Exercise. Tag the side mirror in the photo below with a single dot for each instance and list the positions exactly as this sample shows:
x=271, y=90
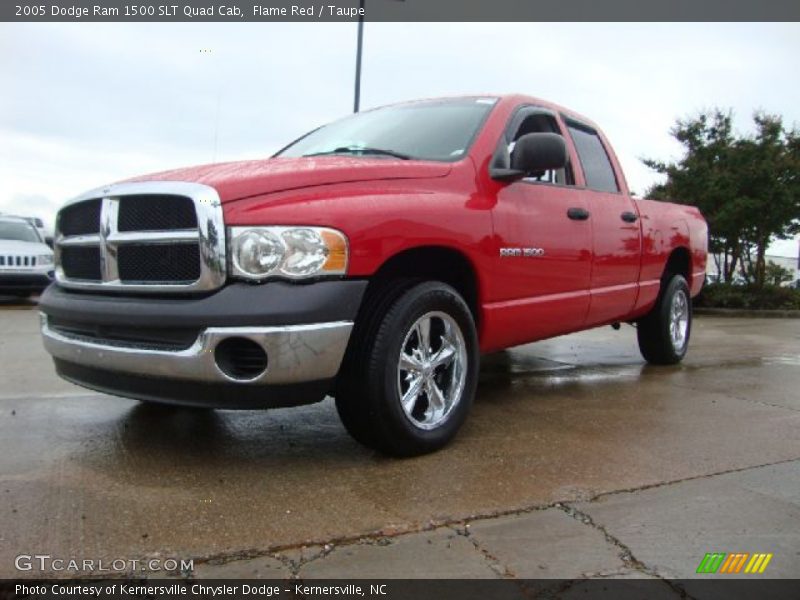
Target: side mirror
x=539, y=152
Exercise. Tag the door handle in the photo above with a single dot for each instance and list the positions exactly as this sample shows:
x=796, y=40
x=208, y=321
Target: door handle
x=629, y=217
x=578, y=214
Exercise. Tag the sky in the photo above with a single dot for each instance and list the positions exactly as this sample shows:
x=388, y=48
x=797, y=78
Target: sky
x=85, y=104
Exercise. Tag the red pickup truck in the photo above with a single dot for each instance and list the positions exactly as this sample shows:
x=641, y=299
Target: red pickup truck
x=373, y=259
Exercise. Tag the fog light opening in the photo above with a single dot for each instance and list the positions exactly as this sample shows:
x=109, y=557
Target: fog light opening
x=240, y=358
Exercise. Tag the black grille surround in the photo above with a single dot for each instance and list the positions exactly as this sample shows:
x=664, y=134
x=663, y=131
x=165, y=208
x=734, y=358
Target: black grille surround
x=142, y=237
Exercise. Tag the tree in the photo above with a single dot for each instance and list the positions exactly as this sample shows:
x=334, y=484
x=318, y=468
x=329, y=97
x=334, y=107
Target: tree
x=747, y=187
x=768, y=168
x=777, y=275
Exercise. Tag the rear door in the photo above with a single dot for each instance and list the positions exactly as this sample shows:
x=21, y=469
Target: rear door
x=616, y=231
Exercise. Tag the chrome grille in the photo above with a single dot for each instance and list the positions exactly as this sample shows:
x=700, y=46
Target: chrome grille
x=13, y=261
x=143, y=237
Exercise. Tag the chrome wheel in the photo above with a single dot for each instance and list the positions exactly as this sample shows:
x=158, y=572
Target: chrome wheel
x=432, y=369
x=679, y=320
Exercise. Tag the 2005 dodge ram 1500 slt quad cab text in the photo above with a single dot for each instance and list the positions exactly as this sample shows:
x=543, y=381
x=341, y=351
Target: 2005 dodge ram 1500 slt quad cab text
x=372, y=260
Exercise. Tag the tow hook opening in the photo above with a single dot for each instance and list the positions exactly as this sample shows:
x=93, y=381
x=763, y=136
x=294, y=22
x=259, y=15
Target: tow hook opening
x=240, y=358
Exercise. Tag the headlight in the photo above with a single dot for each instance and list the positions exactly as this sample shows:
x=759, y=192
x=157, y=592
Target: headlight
x=44, y=259
x=258, y=253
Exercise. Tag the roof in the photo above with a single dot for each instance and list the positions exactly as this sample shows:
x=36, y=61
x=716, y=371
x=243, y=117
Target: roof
x=515, y=98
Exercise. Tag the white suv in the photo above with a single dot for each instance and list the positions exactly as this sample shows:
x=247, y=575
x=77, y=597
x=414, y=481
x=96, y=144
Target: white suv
x=26, y=262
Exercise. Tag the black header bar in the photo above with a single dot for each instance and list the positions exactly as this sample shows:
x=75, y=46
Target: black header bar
x=399, y=589
x=309, y=11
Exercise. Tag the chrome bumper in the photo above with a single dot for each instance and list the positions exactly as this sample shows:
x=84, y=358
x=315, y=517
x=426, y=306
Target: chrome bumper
x=295, y=354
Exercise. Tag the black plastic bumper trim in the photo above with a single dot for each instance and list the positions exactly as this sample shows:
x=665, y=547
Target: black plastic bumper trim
x=236, y=305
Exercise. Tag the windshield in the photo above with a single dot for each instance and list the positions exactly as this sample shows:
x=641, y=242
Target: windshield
x=21, y=232
x=439, y=130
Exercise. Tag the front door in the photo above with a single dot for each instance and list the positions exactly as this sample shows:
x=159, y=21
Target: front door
x=543, y=247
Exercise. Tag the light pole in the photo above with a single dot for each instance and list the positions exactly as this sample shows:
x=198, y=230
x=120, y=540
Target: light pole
x=359, y=50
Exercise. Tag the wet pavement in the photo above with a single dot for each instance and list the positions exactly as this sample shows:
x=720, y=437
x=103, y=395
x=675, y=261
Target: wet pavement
x=574, y=447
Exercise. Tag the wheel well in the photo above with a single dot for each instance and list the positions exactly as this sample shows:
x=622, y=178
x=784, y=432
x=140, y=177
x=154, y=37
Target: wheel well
x=432, y=263
x=678, y=263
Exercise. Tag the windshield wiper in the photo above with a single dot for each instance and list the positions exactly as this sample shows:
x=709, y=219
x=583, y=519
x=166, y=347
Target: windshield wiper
x=362, y=150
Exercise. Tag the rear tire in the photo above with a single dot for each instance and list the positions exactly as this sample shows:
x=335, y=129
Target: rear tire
x=664, y=332
x=411, y=372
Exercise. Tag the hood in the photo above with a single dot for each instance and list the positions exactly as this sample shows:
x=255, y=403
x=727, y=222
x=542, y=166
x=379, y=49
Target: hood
x=237, y=180
x=24, y=248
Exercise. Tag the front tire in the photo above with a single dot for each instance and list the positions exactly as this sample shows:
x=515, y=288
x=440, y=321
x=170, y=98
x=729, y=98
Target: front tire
x=412, y=374
x=663, y=333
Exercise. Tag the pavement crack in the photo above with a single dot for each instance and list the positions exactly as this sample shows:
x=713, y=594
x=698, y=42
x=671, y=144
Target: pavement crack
x=651, y=486
x=294, y=565
x=494, y=563
x=623, y=551
x=625, y=554
x=728, y=395
x=762, y=403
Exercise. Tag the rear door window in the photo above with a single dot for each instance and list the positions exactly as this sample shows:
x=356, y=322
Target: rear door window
x=593, y=156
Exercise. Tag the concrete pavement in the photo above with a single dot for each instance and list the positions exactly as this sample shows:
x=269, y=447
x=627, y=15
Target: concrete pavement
x=661, y=532
x=577, y=460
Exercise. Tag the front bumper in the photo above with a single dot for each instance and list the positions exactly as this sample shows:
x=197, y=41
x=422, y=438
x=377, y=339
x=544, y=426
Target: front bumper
x=117, y=345
x=295, y=354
